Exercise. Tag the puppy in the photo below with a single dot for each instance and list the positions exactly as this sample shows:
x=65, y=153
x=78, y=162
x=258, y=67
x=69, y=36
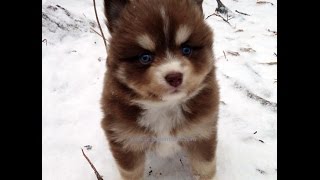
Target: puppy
x=160, y=91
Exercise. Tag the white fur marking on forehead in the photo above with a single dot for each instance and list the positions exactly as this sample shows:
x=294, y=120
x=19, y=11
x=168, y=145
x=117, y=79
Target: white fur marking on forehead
x=146, y=42
x=165, y=19
x=182, y=34
x=171, y=66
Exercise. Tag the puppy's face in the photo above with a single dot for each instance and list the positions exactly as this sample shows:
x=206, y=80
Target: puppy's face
x=161, y=49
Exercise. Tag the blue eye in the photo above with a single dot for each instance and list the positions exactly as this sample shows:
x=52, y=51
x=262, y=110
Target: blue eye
x=145, y=58
x=186, y=50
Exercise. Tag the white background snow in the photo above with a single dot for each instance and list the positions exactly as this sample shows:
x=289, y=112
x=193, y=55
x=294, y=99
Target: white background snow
x=73, y=65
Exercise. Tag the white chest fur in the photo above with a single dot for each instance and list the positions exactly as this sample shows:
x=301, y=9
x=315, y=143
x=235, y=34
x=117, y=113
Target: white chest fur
x=161, y=119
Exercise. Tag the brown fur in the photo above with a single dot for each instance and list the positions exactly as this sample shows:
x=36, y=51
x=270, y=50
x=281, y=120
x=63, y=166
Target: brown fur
x=127, y=82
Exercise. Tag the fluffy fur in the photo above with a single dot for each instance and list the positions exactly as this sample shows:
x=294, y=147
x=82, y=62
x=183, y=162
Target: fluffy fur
x=142, y=111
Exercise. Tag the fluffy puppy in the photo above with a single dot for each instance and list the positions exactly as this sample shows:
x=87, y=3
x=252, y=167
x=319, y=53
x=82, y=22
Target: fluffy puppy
x=160, y=91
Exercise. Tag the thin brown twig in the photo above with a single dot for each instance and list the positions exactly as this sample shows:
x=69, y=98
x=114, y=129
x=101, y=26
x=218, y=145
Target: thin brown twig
x=210, y=16
x=270, y=63
x=264, y=2
x=242, y=13
x=95, y=11
x=97, y=33
x=225, y=55
x=225, y=20
x=99, y=177
x=233, y=53
x=229, y=18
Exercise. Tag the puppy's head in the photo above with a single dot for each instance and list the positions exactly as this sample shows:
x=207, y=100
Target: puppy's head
x=161, y=49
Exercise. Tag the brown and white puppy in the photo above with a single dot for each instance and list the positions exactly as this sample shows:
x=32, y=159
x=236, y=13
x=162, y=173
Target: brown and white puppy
x=160, y=91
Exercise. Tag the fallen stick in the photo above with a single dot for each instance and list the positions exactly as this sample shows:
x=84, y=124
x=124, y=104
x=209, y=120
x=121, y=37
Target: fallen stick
x=97, y=33
x=225, y=20
x=99, y=177
x=243, y=13
x=95, y=11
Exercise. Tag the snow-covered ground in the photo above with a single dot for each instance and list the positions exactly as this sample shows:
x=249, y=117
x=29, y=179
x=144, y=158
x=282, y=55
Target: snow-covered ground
x=73, y=65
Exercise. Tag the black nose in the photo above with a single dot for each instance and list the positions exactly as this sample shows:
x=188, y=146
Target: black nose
x=174, y=79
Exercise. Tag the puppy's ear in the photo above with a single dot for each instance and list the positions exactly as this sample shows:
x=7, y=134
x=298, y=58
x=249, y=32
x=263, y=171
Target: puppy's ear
x=199, y=2
x=112, y=10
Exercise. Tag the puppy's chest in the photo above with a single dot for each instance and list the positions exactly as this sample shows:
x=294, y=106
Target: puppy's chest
x=161, y=120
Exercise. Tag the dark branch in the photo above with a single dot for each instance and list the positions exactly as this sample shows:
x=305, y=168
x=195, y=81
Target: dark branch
x=99, y=177
x=225, y=55
x=97, y=33
x=242, y=13
x=264, y=2
x=95, y=11
x=225, y=20
x=270, y=63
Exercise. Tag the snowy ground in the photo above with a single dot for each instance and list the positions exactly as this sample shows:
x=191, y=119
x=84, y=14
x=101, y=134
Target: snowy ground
x=73, y=65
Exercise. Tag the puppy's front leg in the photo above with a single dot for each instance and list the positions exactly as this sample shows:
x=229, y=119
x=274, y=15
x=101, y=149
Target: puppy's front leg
x=202, y=158
x=130, y=164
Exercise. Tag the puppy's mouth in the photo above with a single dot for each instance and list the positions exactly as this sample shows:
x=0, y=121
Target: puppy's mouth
x=174, y=94
x=175, y=91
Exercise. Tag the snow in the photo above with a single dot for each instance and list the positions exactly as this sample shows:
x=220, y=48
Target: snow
x=73, y=66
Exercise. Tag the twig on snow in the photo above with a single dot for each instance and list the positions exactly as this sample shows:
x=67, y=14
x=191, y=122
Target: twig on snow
x=225, y=20
x=225, y=55
x=233, y=53
x=242, y=13
x=270, y=63
x=95, y=11
x=229, y=18
x=99, y=177
x=264, y=2
x=210, y=15
x=97, y=33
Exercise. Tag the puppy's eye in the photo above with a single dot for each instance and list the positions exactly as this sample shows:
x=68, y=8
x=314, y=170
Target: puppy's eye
x=145, y=58
x=186, y=50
